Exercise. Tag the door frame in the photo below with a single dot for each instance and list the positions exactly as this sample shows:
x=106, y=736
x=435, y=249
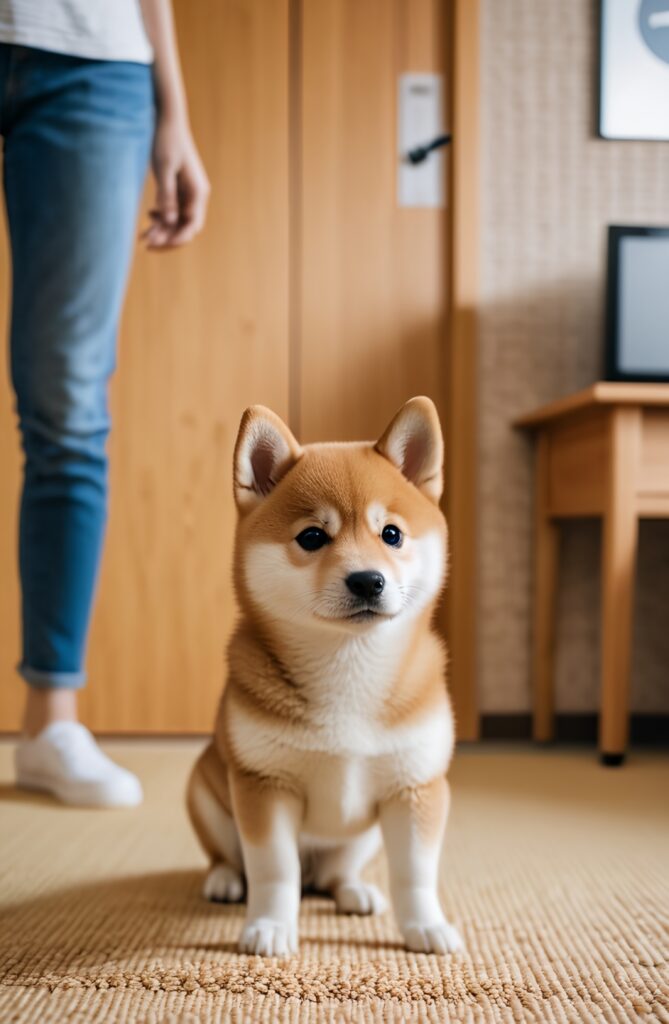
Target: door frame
x=462, y=417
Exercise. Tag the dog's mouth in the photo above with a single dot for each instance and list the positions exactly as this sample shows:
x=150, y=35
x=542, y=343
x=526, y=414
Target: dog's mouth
x=360, y=616
x=364, y=615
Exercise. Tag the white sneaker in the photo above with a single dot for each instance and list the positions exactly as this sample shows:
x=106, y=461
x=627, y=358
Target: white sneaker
x=65, y=760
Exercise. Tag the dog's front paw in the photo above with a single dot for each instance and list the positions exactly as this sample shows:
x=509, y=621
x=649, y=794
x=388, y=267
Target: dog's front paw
x=433, y=938
x=223, y=885
x=359, y=898
x=266, y=937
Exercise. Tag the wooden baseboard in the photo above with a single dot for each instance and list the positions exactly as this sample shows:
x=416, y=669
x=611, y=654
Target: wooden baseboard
x=645, y=730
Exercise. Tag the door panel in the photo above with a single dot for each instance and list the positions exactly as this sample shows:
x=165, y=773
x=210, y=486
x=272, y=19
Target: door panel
x=374, y=294
x=205, y=333
x=310, y=291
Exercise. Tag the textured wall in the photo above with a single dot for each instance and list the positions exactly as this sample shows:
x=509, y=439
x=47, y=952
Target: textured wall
x=550, y=187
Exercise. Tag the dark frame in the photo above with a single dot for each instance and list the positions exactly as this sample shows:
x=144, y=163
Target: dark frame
x=611, y=360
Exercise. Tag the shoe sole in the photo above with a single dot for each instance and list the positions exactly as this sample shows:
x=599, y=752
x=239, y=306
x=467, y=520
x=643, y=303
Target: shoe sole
x=41, y=784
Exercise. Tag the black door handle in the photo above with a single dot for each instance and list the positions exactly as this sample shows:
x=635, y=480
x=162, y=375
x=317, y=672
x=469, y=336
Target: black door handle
x=420, y=153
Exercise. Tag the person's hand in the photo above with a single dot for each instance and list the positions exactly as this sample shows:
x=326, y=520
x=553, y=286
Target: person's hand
x=182, y=187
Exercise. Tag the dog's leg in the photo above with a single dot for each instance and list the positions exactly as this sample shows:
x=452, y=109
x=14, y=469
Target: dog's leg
x=337, y=871
x=268, y=822
x=215, y=828
x=413, y=826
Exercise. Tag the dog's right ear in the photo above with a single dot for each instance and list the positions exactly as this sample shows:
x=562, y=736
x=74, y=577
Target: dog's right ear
x=264, y=452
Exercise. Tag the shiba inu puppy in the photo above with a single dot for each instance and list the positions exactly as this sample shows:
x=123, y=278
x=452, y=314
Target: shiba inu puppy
x=335, y=726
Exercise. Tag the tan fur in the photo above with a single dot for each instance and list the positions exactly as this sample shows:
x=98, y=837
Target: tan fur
x=255, y=801
x=429, y=808
x=211, y=772
x=420, y=682
x=291, y=725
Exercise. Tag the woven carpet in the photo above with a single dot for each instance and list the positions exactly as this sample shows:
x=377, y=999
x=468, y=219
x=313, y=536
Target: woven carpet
x=556, y=871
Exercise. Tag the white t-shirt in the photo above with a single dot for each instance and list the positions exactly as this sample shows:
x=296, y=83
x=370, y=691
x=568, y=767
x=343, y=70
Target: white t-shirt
x=97, y=29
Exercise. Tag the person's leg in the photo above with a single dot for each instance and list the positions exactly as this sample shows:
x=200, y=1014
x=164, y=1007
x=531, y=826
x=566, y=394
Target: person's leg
x=76, y=147
x=47, y=704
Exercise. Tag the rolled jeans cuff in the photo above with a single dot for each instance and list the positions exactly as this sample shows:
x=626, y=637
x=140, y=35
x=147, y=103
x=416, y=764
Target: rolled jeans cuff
x=48, y=680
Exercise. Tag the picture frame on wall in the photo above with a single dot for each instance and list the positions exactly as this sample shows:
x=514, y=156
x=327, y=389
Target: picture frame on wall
x=634, y=69
x=637, y=304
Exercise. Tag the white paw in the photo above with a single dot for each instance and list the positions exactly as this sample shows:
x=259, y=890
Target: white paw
x=433, y=938
x=265, y=937
x=359, y=898
x=223, y=885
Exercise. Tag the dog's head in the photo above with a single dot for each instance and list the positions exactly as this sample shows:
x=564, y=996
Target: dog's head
x=340, y=536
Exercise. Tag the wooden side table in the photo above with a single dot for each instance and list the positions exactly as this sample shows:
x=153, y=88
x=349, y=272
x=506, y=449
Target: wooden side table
x=601, y=452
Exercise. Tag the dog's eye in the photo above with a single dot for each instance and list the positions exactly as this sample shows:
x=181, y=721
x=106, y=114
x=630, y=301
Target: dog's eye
x=392, y=535
x=312, y=538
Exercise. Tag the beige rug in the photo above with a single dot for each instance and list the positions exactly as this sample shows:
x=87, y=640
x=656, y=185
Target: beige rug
x=556, y=871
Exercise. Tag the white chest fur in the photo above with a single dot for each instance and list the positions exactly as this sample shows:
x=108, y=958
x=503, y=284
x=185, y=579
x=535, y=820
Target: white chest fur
x=342, y=758
x=338, y=797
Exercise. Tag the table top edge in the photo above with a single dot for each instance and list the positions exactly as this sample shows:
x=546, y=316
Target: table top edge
x=599, y=394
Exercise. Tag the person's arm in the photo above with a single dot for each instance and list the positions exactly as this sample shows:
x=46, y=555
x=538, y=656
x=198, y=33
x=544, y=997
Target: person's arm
x=182, y=186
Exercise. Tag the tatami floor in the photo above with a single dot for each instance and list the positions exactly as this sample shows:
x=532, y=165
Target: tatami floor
x=556, y=871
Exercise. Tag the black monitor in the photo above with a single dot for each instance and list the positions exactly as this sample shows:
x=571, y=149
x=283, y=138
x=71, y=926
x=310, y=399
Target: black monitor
x=637, y=313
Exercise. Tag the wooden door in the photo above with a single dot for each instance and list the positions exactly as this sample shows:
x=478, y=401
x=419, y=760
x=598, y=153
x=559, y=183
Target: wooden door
x=310, y=291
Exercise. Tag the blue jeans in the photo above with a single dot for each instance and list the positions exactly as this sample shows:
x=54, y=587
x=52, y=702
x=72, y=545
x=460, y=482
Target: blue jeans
x=77, y=135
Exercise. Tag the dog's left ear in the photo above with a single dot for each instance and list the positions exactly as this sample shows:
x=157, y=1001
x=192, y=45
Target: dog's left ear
x=264, y=452
x=413, y=442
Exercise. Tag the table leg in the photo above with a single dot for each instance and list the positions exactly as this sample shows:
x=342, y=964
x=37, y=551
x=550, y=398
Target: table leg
x=619, y=548
x=546, y=543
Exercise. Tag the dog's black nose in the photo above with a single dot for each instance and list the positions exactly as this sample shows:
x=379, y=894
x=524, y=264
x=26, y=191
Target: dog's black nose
x=368, y=585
